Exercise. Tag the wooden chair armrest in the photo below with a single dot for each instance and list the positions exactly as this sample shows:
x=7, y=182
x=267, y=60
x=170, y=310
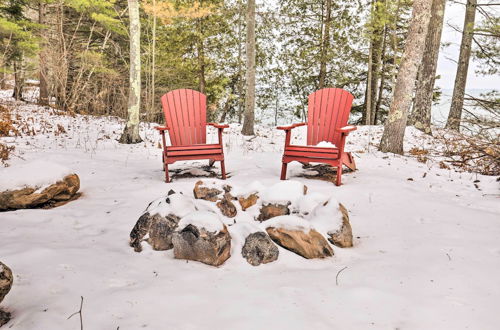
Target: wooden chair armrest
x=347, y=129
x=219, y=126
x=287, y=128
x=162, y=128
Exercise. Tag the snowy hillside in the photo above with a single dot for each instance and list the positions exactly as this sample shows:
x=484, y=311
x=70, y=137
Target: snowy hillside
x=426, y=253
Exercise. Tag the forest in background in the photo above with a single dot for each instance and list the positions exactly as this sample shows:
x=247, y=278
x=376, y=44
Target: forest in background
x=80, y=52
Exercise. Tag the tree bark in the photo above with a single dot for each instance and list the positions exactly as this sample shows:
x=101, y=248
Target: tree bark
x=375, y=55
x=131, y=132
x=394, y=130
x=325, y=45
x=422, y=104
x=18, y=80
x=43, y=98
x=248, y=123
x=457, y=100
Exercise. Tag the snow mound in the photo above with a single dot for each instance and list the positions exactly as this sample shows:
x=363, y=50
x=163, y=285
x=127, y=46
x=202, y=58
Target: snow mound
x=202, y=219
x=176, y=204
x=283, y=192
x=289, y=222
x=35, y=174
x=326, y=218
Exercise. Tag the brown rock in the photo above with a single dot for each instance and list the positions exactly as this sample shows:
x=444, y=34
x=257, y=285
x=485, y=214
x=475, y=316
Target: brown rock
x=209, y=194
x=308, y=245
x=6, y=280
x=160, y=230
x=54, y=195
x=343, y=236
x=247, y=202
x=227, y=206
x=198, y=244
x=268, y=211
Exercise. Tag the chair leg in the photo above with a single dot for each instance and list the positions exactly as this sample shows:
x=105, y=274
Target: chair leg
x=283, y=171
x=223, y=169
x=211, y=162
x=338, y=182
x=167, y=179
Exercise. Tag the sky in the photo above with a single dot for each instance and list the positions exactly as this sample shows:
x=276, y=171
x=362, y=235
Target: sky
x=454, y=15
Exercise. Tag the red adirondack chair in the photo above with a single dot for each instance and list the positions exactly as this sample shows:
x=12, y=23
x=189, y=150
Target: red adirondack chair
x=185, y=120
x=328, y=112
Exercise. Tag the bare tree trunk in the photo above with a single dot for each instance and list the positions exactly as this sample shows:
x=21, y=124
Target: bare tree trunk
x=240, y=62
x=380, y=95
x=369, y=89
x=44, y=92
x=394, y=130
x=421, y=117
x=457, y=100
x=375, y=55
x=325, y=45
x=153, y=61
x=248, y=123
x=201, y=57
x=131, y=132
x=18, y=79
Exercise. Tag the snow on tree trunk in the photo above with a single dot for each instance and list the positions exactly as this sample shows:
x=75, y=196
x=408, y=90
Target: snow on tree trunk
x=457, y=100
x=248, y=122
x=131, y=132
x=421, y=118
x=394, y=130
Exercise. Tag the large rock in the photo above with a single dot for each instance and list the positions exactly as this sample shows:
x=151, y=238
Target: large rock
x=308, y=245
x=6, y=280
x=227, y=206
x=343, y=236
x=268, y=211
x=248, y=201
x=259, y=249
x=53, y=195
x=206, y=240
x=201, y=191
x=159, y=222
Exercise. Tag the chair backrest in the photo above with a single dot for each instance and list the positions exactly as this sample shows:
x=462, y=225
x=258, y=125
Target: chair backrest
x=185, y=113
x=328, y=110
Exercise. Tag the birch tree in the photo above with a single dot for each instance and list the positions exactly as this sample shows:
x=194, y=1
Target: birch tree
x=131, y=132
x=457, y=100
x=421, y=118
x=394, y=130
x=249, y=116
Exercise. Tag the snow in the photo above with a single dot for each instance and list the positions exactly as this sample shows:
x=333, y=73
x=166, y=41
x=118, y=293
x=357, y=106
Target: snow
x=283, y=192
x=176, y=204
x=289, y=222
x=35, y=174
x=327, y=218
x=202, y=219
x=326, y=144
x=426, y=252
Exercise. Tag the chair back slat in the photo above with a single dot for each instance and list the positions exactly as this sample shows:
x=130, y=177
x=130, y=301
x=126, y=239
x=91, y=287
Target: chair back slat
x=185, y=115
x=328, y=110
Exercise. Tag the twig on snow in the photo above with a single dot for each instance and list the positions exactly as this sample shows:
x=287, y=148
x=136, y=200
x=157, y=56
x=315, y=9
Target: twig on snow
x=337, y=276
x=79, y=312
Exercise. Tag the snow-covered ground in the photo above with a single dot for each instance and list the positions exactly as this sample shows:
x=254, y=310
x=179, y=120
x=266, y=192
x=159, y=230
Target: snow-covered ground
x=426, y=253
